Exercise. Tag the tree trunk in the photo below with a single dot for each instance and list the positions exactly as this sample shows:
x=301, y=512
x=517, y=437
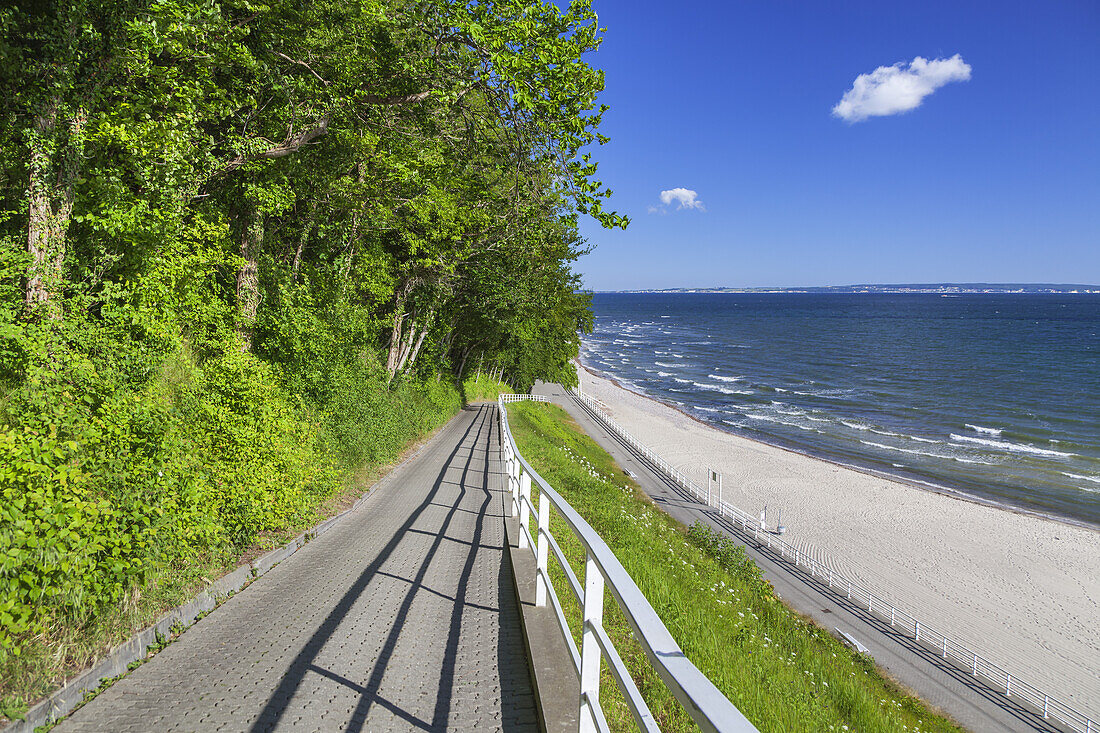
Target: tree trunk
x=462, y=365
x=302, y=240
x=53, y=172
x=395, y=333
x=406, y=347
x=248, y=277
x=410, y=358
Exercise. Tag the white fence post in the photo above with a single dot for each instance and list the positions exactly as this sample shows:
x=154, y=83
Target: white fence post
x=510, y=465
x=524, y=508
x=1008, y=685
x=517, y=469
x=542, y=553
x=591, y=656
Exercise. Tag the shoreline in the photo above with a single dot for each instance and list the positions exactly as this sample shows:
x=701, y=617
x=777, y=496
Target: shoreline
x=922, y=485
x=1018, y=587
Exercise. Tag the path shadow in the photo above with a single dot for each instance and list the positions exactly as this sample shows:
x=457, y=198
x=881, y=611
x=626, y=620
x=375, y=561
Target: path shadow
x=475, y=440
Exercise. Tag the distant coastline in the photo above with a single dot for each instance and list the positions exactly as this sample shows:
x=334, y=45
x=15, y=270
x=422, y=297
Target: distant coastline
x=898, y=289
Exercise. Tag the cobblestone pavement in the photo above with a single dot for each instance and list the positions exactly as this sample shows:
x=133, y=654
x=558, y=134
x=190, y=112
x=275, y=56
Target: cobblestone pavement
x=401, y=617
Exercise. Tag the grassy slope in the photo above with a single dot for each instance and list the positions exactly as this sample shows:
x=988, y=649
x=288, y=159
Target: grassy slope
x=49, y=659
x=782, y=672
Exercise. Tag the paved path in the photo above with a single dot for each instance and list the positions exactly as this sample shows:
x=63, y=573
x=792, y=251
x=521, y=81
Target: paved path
x=401, y=617
x=969, y=701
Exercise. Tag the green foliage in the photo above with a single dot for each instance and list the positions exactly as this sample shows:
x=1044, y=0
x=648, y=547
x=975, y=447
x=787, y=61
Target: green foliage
x=483, y=388
x=782, y=672
x=729, y=554
x=247, y=250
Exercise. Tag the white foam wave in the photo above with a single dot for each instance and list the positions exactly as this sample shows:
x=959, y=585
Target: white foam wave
x=683, y=381
x=1093, y=479
x=1014, y=447
x=987, y=431
x=855, y=425
x=706, y=409
x=664, y=374
x=901, y=450
x=720, y=378
x=780, y=389
x=666, y=364
x=723, y=390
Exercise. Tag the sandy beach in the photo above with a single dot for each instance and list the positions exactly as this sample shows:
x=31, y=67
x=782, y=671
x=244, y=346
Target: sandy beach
x=1021, y=590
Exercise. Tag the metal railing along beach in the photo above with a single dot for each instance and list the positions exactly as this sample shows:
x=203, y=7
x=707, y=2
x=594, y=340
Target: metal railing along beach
x=966, y=658
x=706, y=705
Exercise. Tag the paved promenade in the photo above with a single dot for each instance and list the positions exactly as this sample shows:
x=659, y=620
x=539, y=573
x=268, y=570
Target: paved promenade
x=401, y=617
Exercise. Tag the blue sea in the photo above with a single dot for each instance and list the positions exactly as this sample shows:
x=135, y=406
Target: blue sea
x=994, y=396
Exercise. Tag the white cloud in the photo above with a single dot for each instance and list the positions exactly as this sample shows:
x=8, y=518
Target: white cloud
x=685, y=199
x=889, y=90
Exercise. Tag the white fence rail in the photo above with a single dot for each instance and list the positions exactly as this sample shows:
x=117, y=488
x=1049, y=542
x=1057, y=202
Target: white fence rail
x=706, y=705
x=1000, y=678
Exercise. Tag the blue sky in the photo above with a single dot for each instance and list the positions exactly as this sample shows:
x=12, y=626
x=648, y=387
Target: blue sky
x=994, y=177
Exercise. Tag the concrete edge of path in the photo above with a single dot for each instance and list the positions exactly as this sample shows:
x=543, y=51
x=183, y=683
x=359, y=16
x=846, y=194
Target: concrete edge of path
x=117, y=662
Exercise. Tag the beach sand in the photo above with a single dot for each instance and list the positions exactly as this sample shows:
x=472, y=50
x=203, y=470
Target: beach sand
x=1020, y=590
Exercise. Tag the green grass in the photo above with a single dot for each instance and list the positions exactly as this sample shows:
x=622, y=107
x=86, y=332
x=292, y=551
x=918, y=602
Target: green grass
x=783, y=672
x=483, y=388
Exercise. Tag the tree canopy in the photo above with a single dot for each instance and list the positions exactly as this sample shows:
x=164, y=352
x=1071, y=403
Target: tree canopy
x=394, y=175
x=247, y=248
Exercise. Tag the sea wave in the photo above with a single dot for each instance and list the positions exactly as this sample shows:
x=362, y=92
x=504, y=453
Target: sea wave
x=720, y=378
x=980, y=429
x=683, y=381
x=723, y=390
x=1014, y=447
x=901, y=450
x=926, y=453
x=666, y=364
x=1093, y=479
x=706, y=409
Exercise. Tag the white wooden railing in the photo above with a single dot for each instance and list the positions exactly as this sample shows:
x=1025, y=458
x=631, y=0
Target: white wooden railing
x=706, y=705
x=978, y=666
